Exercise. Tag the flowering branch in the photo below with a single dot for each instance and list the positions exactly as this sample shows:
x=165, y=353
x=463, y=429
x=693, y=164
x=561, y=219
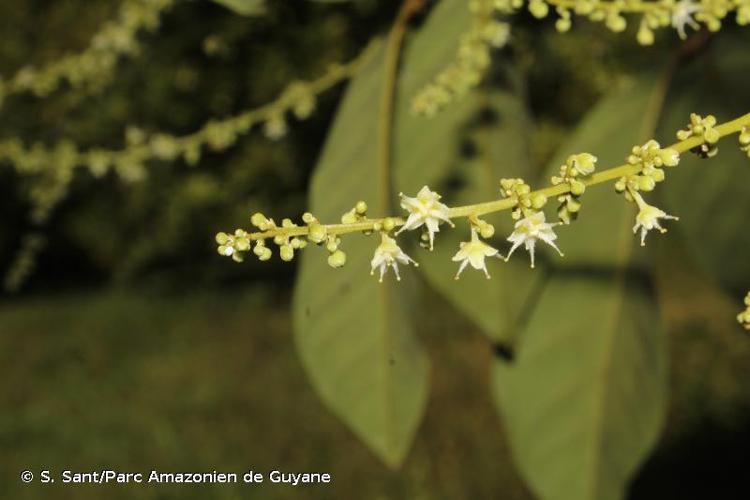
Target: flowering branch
x=678, y=14
x=641, y=172
x=357, y=222
x=298, y=98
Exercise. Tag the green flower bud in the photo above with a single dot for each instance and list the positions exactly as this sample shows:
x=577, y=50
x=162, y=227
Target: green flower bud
x=573, y=205
x=265, y=254
x=259, y=220
x=538, y=9
x=308, y=218
x=337, y=259
x=349, y=217
x=584, y=163
x=563, y=25
x=389, y=224
x=242, y=244
x=486, y=230
x=222, y=238
x=616, y=23
x=286, y=253
x=361, y=207
x=669, y=157
x=316, y=232
x=577, y=188
x=646, y=183
x=645, y=35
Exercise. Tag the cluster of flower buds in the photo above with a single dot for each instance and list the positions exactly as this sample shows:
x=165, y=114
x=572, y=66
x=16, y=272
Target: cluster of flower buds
x=744, y=316
x=650, y=159
x=576, y=169
x=524, y=201
x=318, y=234
x=471, y=63
x=703, y=128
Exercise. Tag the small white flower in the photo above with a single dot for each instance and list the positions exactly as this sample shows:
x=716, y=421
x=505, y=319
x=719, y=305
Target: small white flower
x=388, y=254
x=682, y=15
x=530, y=229
x=648, y=218
x=474, y=252
x=424, y=209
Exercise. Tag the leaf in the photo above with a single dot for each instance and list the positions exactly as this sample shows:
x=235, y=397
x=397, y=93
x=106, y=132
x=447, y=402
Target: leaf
x=711, y=196
x=355, y=336
x=584, y=402
x=245, y=7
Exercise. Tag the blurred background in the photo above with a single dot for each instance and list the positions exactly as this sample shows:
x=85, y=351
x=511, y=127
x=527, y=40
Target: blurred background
x=133, y=346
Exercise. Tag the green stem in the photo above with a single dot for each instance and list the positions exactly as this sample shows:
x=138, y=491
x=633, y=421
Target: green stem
x=725, y=129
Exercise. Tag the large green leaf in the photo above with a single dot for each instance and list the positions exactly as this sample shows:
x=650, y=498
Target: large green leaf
x=354, y=335
x=711, y=196
x=583, y=403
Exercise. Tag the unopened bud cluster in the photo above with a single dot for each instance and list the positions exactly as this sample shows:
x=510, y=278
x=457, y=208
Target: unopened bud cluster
x=524, y=201
x=650, y=159
x=703, y=128
x=576, y=169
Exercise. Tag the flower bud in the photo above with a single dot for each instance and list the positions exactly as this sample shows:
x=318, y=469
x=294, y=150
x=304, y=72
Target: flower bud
x=337, y=259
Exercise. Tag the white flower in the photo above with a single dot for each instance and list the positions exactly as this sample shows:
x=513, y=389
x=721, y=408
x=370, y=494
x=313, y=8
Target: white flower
x=648, y=218
x=388, y=254
x=474, y=252
x=530, y=229
x=425, y=209
x=682, y=15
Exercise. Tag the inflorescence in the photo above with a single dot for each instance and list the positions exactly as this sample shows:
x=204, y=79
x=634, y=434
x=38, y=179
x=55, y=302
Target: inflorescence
x=486, y=33
x=472, y=59
x=92, y=68
x=678, y=14
x=644, y=168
